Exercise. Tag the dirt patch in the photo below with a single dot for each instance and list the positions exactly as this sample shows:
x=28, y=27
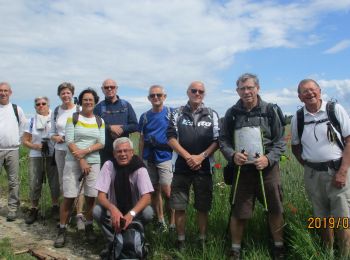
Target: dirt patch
x=42, y=234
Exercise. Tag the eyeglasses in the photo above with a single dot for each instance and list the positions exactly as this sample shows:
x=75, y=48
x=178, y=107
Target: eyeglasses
x=123, y=151
x=194, y=91
x=41, y=104
x=109, y=87
x=249, y=88
x=158, y=95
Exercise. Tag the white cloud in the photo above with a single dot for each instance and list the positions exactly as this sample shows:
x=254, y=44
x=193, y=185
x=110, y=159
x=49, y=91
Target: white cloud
x=140, y=43
x=340, y=46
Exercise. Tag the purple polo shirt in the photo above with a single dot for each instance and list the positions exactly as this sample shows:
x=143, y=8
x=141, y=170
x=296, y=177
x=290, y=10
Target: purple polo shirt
x=140, y=182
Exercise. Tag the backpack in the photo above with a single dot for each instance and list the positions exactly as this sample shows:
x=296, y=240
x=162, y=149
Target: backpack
x=130, y=243
x=76, y=118
x=15, y=110
x=123, y=109
x=333, y=123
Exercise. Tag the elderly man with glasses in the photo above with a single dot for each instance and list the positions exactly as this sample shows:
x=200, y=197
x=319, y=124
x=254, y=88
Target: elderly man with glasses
x=255, y=157
x=192, y=133
x=119, y=117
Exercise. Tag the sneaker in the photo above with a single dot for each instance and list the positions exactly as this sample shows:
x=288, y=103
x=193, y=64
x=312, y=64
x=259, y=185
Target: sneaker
x=32, y=217
x=161, y=227
x=279, y=253
x=55, y=212
x=11, y=216
x=180, y=245
x=235, y=254
x=80, y=223
x=61, y=238
x=89, y=233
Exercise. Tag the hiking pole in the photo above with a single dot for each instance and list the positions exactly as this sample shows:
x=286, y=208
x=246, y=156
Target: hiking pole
x=257, y=155
x=234, y=196
x=45, y=152
x=81, y=185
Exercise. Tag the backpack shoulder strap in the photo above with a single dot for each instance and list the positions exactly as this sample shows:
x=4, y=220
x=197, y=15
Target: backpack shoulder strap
x=31, y=124
x=271, y=108
x=15, y=110
x=300, y=121
x=330, y=108
x=55, y=114
x=75, y=118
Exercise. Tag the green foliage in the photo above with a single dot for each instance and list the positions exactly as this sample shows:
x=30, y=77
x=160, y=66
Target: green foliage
x=301, y=242
x=6, y=252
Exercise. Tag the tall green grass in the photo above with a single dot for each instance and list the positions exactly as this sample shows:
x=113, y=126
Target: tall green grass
x=301, y=242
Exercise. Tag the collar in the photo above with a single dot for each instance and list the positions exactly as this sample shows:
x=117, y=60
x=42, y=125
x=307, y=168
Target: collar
x=109, y=102
x=198, y=110
x=322, y=108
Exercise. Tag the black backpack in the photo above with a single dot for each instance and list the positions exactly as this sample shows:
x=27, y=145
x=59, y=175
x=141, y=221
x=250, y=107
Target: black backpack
x=129, y=244
x=332, y=124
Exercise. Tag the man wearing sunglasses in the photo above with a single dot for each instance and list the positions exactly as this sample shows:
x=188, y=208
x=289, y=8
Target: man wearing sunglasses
x=192, y=133
x=252, y=114
x=12, y=125
x=119, y=117
x=156, y=153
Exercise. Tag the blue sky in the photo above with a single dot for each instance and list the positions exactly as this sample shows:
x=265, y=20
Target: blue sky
x=141, y=43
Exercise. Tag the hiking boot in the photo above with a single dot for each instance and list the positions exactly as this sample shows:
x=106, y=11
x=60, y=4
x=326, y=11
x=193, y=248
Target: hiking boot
x=89, y=233
x=180, y=245
x=11, y=215
x=161, y=227
x=234, y=254
x=279, y=253
x=80, y=223
x=61, y=238
x=55, y=212
x=32, y=217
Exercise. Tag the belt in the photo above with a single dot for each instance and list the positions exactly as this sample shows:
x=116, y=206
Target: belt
x=323, y=166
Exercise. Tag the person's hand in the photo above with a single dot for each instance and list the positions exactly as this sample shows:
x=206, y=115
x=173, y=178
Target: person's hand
x=195, y=162
x=84, y=166
x=339, y=179
x=116, y=217
x=37, y=147
x=261, y=162
x=116, y=131
x=58, y=139
x=80, y=153
x=240, y=158
x=128, y=219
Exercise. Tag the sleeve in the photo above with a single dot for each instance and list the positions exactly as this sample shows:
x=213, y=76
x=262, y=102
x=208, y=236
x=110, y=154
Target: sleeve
x=22, y=121
x=132, y=125
x=104, y=179
x=294, y=131
x=101, y=138
x=69, y=130
x=53, y=129
x=215, y=126
x=141, y=125
x=277, y=146
x=28, y=127
x=144, y=184
x=225, y=137
x=97, y=110
x=172, y=127
x=343, y=119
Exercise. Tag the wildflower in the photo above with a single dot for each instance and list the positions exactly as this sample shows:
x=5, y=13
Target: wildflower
x=293, y=209
x=217, y=166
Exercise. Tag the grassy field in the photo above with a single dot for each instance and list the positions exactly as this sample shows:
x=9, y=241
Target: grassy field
x=301, y=242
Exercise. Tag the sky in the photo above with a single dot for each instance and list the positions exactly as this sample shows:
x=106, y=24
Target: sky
x=172, y=43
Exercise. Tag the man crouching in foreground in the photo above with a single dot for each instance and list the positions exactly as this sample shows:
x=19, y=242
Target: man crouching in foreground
x=124, y=191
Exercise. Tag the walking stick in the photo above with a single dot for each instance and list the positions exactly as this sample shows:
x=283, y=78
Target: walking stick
x=81, y=185
x=257, y=155
x=45, y=152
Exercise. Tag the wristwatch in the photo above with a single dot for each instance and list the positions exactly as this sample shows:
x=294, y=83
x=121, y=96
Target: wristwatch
x=204, y=154
x=132, y=213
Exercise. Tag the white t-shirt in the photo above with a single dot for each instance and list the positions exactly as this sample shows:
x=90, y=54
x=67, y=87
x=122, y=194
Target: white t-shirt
x=10, y=130
x=320, y=149
x=38, y=135
x=59, y=127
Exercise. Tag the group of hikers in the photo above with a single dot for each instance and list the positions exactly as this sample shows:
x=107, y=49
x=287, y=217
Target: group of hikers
x=84, y=151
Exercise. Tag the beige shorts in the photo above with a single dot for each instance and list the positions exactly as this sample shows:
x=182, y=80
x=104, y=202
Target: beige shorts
x=326, y=199
x=160, y=173
x=71, y=183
